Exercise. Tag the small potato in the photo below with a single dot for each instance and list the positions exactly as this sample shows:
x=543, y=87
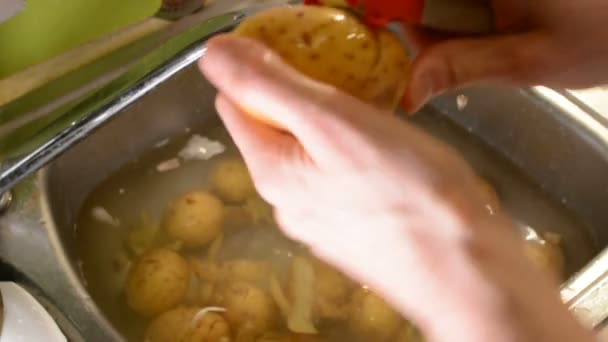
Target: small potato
x=188, y=324
x=249, y=310
x=288, y=337
x=170, y=326
x=333, y=291
x=547, y=255
x=195, y=219
x=333, y=46
x=371, y=317
x=208, y=326
x=259, y=210
x=231, y=181
x=409, y=333
x=157, y=282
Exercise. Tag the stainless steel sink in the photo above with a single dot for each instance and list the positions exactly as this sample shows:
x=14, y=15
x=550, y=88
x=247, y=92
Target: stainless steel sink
x=552, y=142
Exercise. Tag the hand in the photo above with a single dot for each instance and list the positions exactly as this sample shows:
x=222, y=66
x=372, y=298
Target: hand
x=557, y=43
x=388, y=204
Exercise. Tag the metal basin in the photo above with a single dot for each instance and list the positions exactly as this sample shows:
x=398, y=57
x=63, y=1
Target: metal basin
x=547, y=156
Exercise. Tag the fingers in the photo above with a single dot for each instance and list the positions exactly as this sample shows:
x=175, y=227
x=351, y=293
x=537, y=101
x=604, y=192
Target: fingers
x=263, y=148
x=521, y=59
x=257, y=79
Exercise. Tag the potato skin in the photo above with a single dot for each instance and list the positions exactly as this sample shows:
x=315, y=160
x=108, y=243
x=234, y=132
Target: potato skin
x=211, y=327
x=335, y=47
x=371, y=317
x=409, y=333
x=333, y=291
x=231, y=181
x=158, y=281
x=180, y=325
x=249, y=309
x=196, y=219
x=170, y=326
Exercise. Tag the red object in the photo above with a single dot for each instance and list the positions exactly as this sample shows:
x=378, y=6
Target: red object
x=382, y=12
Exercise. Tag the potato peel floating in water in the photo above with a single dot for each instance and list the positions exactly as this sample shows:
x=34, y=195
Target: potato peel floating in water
x=333, y=46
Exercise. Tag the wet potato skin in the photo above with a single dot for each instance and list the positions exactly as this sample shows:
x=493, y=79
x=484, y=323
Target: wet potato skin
x=182, y=325
x=335, y=47
x=196, y=219
x=158, y=281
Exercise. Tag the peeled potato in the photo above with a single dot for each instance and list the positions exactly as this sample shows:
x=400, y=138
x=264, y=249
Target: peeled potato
x=188, y=324
x=333, y=46
x=157, y=282
x=195, y=219
x=371, y=317
x=231, y=181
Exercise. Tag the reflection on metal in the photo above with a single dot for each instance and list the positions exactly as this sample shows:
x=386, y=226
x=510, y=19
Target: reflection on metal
x=113, y=98
x=586, y=294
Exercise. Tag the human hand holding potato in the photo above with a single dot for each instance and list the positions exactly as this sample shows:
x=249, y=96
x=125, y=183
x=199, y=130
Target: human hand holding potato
x=389, y=205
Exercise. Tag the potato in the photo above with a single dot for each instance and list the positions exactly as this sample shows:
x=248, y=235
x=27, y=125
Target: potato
x=208, y=326
x=259, y=210
x=249, y=309
x=547, y=255
x=158, y=281
x=409, y=333
x=170, y=326
x=188, y=324
x=231, y=181
x=196, y=219
x=288, y=337
x=333, y=291
x=333, y=46
x=371, y=317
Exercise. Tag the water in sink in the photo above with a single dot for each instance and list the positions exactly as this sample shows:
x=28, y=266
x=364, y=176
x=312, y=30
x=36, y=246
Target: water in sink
x=114, y=211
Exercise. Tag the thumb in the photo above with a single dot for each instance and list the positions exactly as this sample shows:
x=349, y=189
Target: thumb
x=515, y=60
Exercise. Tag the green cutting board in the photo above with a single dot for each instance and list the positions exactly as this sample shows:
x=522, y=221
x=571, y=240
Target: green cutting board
x=47, y=28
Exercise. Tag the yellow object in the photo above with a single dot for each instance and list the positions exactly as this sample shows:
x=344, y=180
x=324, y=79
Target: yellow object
x=335, y=47
x=188, y=324
x=372, y=318
x=231, y=181
x=195, y=219
x=157, y=282
x=34, y=76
